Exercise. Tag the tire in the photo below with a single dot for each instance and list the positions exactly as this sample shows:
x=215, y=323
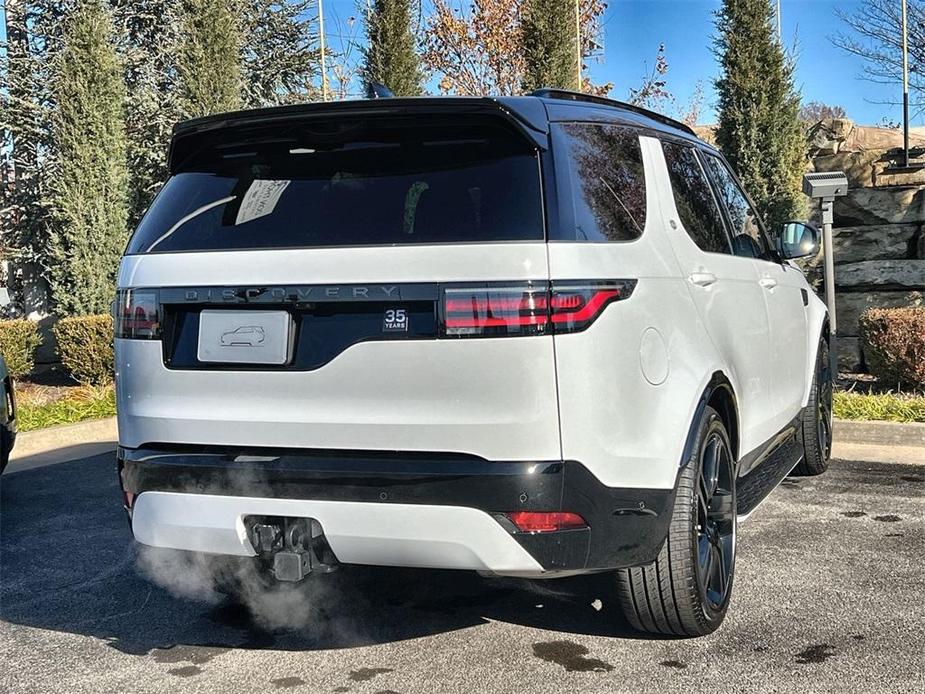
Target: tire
x=817, y=418
x=674, y=596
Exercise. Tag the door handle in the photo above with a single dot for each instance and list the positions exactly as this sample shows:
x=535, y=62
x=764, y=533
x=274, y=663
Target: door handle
x=702, y=279
x=768, y=282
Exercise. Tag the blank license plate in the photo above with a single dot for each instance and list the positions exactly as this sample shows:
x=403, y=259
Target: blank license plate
x=244, y=337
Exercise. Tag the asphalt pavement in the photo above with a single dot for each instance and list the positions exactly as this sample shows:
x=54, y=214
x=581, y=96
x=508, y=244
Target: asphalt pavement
x=829, y=597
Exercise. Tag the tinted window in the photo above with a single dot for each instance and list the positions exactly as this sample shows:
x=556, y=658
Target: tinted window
x=608, y=187
x=748, y=239
x=353, y=184
x=696, y=205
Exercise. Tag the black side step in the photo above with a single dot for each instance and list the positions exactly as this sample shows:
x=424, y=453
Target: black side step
x=758, y=483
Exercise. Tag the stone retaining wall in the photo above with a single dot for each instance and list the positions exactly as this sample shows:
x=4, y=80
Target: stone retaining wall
x=879, y=233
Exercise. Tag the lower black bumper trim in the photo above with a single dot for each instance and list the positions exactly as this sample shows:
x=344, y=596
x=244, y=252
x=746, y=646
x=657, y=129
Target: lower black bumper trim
x=626, y=526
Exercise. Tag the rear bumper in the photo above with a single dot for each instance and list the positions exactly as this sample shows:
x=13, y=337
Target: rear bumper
x=397, y=509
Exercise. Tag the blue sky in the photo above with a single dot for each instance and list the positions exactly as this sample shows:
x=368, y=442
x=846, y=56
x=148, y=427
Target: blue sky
x=635, y=28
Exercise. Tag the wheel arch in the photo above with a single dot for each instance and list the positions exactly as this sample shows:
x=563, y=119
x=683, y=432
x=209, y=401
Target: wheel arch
x=720, y=395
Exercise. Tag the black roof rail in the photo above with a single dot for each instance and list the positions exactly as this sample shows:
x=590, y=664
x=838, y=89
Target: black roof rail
x=550, y=93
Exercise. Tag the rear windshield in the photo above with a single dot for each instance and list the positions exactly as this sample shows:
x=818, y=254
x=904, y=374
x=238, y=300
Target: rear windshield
x=353, y=183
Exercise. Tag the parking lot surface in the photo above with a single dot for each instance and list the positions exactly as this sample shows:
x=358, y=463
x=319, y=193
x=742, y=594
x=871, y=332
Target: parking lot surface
x=829, y=597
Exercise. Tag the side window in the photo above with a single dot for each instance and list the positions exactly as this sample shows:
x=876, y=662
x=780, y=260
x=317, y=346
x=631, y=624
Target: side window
x=608, y=185
x=694, y=199
x=747, y=236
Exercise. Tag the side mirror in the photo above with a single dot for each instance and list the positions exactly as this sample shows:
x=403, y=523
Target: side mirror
x=798, y=240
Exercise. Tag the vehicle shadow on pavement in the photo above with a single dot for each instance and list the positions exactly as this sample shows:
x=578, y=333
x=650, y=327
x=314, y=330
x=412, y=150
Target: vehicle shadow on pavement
x=68, y=564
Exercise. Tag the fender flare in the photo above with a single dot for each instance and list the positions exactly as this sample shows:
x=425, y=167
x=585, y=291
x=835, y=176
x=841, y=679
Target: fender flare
x=720, y=391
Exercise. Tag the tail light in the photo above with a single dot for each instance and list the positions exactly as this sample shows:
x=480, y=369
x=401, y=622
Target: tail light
x=529, y=308
x=137, y=314
x=496, y=310
x=546, y=522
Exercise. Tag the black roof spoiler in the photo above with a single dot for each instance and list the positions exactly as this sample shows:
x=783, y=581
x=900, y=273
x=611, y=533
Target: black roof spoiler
x=567, y=95
x=528, y=116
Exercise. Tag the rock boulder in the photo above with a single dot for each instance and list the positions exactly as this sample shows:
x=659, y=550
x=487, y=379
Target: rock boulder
x=874, y=206
x=848, y=350
x=904, y=274
x=863, y=139
x=858, y=166
x=878, y=242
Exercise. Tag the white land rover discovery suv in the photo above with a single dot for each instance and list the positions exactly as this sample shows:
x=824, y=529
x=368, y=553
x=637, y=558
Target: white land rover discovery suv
x=530, y=336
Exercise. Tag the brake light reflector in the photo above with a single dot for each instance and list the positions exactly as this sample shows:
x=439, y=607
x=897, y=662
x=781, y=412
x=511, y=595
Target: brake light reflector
x=546, y=522
x=137, y=315
x=531, y=308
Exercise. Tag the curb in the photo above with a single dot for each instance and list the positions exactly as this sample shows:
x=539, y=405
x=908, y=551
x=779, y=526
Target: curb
x=911, y=434
x=103, y=434
x=99, y=433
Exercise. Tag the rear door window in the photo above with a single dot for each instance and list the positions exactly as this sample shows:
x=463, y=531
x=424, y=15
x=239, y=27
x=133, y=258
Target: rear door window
x=605, y=180
x=748, y=238
x=694, y=199
x=356, y=184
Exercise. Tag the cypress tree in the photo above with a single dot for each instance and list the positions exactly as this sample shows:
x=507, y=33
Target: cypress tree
x=279, y=57
x=148, y=45
x=549, y=44
x=89, y=190
x=759, y=128
x=390, y=57
x=20, y=177
x=209, y=61
x=27, y=148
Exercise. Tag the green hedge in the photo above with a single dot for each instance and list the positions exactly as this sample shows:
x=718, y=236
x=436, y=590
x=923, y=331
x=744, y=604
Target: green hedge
x=879, y=406
x=893, y=340
x=18, y=342
x=85, y=348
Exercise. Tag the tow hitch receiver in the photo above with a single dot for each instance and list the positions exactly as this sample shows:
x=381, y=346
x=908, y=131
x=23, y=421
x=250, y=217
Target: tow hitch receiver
x=291, y=548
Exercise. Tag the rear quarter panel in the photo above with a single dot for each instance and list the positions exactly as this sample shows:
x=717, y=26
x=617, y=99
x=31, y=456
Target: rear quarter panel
x=629, y=384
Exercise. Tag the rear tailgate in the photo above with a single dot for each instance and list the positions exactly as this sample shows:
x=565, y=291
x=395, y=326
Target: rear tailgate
x=301, y=304
x=348, y=384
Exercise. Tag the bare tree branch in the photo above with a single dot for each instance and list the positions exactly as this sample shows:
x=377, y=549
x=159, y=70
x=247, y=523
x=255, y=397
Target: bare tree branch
x=875, y=35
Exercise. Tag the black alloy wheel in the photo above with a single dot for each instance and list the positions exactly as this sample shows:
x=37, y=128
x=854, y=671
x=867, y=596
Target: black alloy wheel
x=716, y=521
x=686, y=591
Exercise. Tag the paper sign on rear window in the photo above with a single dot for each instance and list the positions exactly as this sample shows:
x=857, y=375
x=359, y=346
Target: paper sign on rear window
x=260, y=200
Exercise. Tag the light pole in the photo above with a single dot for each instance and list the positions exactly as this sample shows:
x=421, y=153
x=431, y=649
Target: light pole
x=324, y=72
x=578, y=42
x=905, y=87
x=780, y=31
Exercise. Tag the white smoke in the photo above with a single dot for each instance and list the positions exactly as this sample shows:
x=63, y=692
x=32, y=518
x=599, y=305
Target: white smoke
x=209, y=578
x=185, y=575
x=212, y=578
